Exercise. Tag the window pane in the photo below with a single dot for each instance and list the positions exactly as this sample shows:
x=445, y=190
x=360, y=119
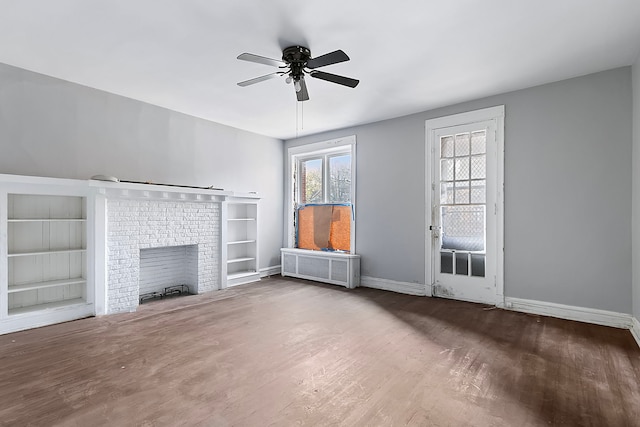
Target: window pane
x=340, y=179
x=311, y=181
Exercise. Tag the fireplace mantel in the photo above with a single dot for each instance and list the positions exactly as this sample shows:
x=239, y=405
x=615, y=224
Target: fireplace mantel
x=127, y=190
x=119, y=219
x=203, y=225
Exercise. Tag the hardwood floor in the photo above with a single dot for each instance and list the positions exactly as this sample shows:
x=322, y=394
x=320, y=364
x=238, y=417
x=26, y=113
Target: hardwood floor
x=289, y=352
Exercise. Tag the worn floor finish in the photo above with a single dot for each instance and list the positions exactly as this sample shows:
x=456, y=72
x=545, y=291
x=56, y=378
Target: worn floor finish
x=288, y=352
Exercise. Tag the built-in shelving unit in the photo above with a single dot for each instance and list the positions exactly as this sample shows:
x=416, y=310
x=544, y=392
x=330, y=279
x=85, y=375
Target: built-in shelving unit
x=44, y=246
x=46, y=251
x=241, y=240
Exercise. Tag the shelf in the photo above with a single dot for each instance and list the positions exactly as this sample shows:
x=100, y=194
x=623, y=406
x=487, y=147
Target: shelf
x=53, y=252
x=231, y=261
x=239, y=242
x=241, y=274
x=10, y=220
x=241, y=219
x=43, y=285
x=47, y=306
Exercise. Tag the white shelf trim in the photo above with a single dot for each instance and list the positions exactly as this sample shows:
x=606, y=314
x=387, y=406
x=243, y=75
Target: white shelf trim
x=240, y=274
x=58, y=251
x=239, y=242
x=47, y=306
x=231, y=261
x=43, y=285
x=10, y=220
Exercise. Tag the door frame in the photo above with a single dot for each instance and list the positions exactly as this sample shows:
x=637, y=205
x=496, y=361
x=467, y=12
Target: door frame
x=495, y=114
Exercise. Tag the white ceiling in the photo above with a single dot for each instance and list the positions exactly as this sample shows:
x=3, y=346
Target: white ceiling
x=410, y=55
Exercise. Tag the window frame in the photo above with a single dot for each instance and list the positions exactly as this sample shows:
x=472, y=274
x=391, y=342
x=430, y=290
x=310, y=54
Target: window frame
x=319, y=150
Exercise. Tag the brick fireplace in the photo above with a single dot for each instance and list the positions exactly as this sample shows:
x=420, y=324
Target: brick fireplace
x=133, y=224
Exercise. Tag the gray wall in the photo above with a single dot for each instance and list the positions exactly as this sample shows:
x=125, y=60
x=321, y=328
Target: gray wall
x=567, y=191
x=636, y=189
x=53, y=128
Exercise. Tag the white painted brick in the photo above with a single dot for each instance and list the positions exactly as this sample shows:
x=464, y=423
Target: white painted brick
x=136, y=224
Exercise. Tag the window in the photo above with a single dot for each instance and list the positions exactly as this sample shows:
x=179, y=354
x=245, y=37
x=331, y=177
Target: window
x=325, y=179
x=320, y=206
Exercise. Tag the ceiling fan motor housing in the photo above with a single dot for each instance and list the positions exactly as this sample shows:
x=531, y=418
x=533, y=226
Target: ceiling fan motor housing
x=296, y=57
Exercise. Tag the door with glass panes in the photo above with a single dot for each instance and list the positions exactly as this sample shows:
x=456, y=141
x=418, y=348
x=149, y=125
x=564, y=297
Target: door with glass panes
x=464, y=211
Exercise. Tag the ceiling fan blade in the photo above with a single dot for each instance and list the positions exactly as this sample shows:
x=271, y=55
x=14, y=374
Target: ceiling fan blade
x=302, y=94
x=260, y=59
x=333, y=78
x=258, y=79
x=327, y=59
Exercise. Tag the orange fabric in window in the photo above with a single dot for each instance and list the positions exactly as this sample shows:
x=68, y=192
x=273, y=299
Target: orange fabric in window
x=324, y=227
x=340, y=236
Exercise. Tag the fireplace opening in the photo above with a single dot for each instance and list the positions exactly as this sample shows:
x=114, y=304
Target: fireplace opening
x=168, y=271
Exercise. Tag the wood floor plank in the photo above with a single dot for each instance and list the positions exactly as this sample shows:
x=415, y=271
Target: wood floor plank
x=288, y=352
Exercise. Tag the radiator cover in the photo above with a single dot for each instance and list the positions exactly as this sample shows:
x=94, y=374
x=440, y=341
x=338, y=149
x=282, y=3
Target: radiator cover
x=328, y=267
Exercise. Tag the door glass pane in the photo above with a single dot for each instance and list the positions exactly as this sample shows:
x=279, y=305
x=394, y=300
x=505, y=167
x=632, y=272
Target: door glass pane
x=462, y=263
x=446, y=169
x=462, y=192
x=479, y=142
x=446, y=146
x=477, y=265
x=463, y=227
x=446, y=193
x=340, y=179
x=311, y=181
x=478, y=191
x=446, y=262
x=463, y=210
x=478, y=167
x=462, y=144
x=462, y=168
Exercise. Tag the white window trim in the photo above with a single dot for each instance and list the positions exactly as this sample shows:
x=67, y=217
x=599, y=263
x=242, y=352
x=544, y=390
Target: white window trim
x=487, y=114
x=310, y=150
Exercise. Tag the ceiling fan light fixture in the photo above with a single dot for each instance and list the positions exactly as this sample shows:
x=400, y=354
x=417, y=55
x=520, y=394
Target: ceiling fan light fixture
x=296, y=62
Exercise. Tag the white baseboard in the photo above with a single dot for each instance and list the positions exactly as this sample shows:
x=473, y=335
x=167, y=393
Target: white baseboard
x=561, y=311
x=270, y=271
x=392, y=285
x=635, y=329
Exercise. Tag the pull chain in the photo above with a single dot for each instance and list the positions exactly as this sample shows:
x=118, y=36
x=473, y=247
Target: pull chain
x=299, y=116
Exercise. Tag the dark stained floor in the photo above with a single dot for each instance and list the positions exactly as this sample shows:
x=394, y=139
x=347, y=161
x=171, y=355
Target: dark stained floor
x=288, y=352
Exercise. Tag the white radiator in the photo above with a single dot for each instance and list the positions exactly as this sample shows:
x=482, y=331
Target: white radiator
x=328, y=267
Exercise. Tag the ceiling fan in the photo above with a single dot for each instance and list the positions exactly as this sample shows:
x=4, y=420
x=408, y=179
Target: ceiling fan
x=296, y=62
